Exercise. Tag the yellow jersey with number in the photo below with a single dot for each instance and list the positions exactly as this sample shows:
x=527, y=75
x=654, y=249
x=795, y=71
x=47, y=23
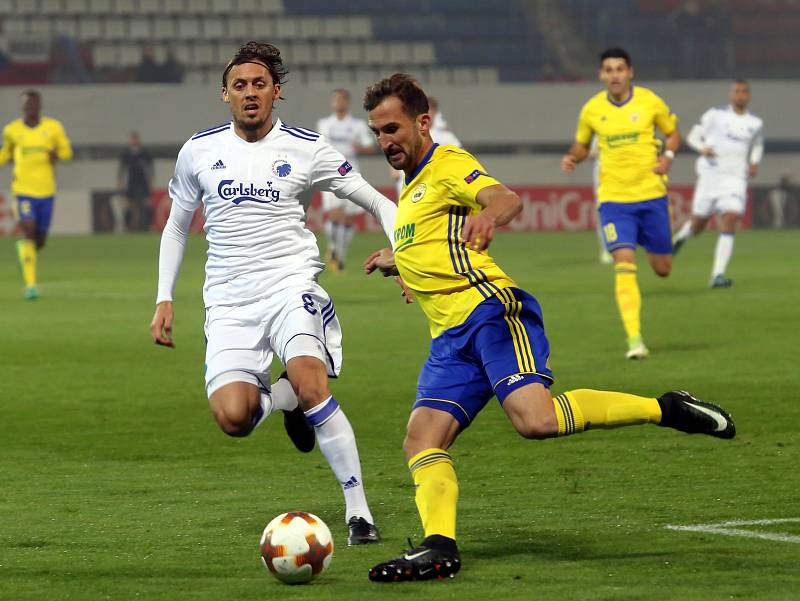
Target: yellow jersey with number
x=627, y=143
x=448, y=279
x=30, y=148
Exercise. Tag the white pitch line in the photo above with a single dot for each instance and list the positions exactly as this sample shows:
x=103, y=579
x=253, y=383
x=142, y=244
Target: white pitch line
x=727, y=529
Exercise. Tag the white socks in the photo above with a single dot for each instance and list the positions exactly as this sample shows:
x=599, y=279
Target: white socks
x=338, y=444
x=722, y=254
x=280, y=396
x=685, y=232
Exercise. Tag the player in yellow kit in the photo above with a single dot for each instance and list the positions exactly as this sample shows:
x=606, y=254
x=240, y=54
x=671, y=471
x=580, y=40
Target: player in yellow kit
x=632, y=189
x=34, y=143
x=488, y=334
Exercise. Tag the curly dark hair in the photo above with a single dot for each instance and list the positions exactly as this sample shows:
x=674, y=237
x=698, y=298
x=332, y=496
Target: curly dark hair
x=262, y=54
x=404, y=87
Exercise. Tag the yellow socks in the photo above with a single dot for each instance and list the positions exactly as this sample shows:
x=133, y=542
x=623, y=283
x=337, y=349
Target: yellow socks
x=579, y=410
x=629, y=300
x=437, y=491
x=26, y=250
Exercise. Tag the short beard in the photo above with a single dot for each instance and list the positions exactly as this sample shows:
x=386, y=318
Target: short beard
x=251, y=125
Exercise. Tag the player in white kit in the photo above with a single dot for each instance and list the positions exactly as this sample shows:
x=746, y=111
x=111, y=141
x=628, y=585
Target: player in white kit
x=730, y=141
x=351, y=137
x=254, y=178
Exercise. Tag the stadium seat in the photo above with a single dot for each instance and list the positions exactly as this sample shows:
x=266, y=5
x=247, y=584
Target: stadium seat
x=327, y=53
x=127, y=7
x=66, y=26
x=70, y=7
x=15, y=25
x=310, y=28
x=150, y=7
x=204, y=53
x=198, y=7
x=335, y=27
x=187, y=27
x=140, y=28
x=90, y=28
x=40, y=27
x=213, y=28
x=115, y=28
x=360, y=27
x=105, y=55
x=351, y=53
x=101, y=7
x=45, y=7
x=238, y=27
x=129, y=55
x=8, y=7
x=174, y=7
x=163, y=28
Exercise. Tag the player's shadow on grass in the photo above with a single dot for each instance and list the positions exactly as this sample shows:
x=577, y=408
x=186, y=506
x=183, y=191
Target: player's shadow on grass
x=551, y=546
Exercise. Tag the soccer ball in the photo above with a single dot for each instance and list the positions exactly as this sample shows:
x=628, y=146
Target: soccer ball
x=296, y=547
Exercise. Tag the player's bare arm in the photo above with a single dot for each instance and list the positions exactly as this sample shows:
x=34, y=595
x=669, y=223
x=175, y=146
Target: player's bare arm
x=671, y=146
x=500, y=205
x=161, y=326
x=577, y=153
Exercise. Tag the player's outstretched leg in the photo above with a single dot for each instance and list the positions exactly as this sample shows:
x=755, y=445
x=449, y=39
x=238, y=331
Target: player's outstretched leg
x=338, y=443
x=681, y=411
x=436, y=558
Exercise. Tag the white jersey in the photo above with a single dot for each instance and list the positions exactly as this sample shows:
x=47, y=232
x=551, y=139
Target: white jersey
x=254, y=198
x=441, y=134
x=346, y=134
x=737, y=140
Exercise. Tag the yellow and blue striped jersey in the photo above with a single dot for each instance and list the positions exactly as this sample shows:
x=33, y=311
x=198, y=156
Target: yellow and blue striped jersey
x=30, y=148
x=627, y=143
x=448, y=279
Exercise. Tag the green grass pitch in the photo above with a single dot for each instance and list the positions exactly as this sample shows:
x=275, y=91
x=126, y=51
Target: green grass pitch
x=116, y=484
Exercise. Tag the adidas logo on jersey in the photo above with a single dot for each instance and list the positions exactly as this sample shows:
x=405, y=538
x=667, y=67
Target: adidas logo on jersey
x=218, y=165
x=514, y=379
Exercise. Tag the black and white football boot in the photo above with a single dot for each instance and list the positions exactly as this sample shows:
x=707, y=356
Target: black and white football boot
x=681, y=411
x=435, y=559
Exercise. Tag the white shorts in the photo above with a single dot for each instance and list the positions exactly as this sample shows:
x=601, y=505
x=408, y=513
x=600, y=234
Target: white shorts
x=297, y=321
x=330, y=202
x=719, y=195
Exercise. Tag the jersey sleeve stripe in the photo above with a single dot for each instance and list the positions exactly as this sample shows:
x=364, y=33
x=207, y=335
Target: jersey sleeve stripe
x=299, y=132
x=209, y=133
x=211, y=130
x=299, y=135
x=303, y=130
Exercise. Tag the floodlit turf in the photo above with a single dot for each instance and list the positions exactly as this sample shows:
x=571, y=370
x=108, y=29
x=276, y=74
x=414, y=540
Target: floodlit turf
x=116, y=484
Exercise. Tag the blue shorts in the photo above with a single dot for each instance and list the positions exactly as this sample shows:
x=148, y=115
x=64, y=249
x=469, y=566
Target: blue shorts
x=39, y=210
x=646, y=223
x=499, y=348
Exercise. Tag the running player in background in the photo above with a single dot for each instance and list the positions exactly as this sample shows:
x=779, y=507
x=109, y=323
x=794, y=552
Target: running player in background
x=633, y=190
x=254, y=178
x=594, y=154
x=34, y=142
x=351, y=137
x=730, y=141
x=488, y=336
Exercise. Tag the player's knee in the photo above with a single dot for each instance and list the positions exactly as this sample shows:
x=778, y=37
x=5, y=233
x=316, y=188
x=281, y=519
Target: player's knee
x=311, y=392
x=234, y=419
x=537, y=427
x=663, y=270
